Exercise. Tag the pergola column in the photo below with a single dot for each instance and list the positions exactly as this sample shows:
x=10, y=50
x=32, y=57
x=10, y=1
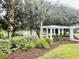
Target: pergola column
x=51, y=33
x=58, y=31
x=71, y=34
x=46, y=32
x=62, y=31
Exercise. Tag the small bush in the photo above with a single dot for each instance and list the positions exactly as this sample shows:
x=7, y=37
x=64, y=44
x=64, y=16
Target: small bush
x=48, y=40
x=5, y=46
x=19, y=43
x=2, y=55
x=30, y=46
x=24, y=42
x=57, y=37
x=65, y=35
x=32, y=39
x=42, y=43
x=1, y=33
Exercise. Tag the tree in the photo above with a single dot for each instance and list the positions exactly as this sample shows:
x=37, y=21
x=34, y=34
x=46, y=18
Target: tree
x=10, y=16
x=1, y=9
x=62, y=15
x=35, y=13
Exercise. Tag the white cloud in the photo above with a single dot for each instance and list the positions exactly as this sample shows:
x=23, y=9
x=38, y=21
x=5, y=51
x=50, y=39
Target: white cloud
x=71, y=3
x=54, y=1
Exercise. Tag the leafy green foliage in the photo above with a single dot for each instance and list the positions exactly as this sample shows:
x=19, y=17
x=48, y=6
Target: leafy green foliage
x=30, y=42
x=57, y=37
x=65, y=35
x=42, y=43
x=2, y=55
x=24, y=42
x=3, y=23
x=1, y=33
x=19, y=43
x=5, y=46
x=30, y=45
x=49, y=40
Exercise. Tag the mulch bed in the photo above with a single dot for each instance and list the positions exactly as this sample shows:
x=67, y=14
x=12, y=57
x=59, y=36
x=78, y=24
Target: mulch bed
x=33, y=53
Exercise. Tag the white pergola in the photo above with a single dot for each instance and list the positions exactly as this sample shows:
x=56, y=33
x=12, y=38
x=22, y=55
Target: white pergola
x=53, y=28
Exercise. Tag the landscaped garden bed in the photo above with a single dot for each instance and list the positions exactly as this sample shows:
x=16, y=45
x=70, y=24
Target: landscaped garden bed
x=36, y=52
x=23, y=44
x=31, y=47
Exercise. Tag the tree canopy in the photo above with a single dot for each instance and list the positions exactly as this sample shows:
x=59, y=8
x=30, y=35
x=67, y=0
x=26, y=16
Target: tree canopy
x=29, y=14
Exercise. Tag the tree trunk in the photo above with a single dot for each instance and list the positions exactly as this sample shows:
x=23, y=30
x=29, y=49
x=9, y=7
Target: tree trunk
x=41, y=30
x=38, y=33
x=9, y=35
x=10, y=14
x=31, y=32
x=0, y=1
x=13, y=34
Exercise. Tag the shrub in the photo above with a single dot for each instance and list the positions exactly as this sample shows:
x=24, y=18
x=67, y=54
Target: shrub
x=30, y=46
x=48, y=40
x=65, y=35
x=24, y=42
x=57, y=37
x=5, y=46
x=42, y=43
x=32, y=39
x=1, y=33
x=2, y=55
x=19, y=43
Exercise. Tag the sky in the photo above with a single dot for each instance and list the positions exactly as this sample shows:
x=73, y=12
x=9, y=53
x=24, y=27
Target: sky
x=70, y=3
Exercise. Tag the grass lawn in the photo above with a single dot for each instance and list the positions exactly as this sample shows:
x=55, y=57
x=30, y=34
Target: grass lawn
x=67, y=51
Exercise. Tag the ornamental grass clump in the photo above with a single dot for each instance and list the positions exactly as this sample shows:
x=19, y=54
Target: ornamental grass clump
x=49, y=40
x=30, y=45
x=42, y=43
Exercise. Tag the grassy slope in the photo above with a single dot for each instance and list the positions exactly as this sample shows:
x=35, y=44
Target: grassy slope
x=68, y=51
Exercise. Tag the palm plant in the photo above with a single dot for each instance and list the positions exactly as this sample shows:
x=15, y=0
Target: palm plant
x=10, y=16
